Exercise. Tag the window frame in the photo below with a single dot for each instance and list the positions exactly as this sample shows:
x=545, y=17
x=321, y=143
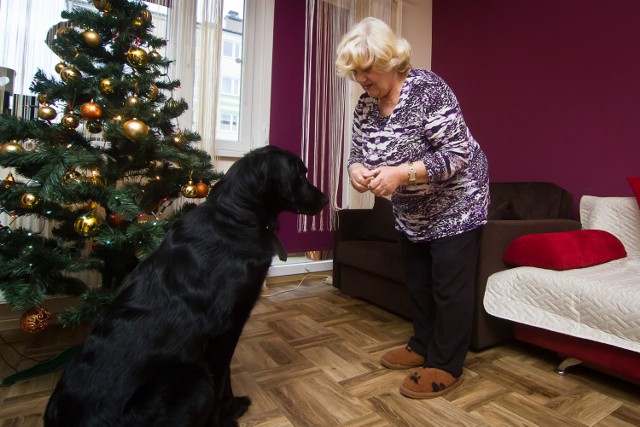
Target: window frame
x=255, y=87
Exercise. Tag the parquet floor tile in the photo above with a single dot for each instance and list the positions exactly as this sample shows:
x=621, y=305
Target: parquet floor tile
x=309, y=356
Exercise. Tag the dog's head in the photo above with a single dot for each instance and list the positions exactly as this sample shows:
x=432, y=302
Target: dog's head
x=274, y=180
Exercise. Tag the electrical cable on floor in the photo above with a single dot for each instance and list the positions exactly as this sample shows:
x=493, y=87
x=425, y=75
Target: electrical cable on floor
x=24, y=356
x=307, y=275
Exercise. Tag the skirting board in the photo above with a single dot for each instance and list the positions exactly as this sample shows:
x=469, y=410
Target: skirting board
x=298, y=265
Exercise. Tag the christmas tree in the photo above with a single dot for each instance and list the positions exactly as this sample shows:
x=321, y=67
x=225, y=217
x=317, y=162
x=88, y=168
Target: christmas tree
x=100, y=165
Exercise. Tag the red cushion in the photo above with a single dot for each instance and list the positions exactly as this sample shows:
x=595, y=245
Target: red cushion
x=564, y=250
x=634, y=182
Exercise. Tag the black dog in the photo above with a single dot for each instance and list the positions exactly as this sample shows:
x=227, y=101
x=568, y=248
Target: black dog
x=159, y=355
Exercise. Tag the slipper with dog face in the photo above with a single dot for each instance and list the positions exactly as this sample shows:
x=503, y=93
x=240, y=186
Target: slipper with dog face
x=427, y=383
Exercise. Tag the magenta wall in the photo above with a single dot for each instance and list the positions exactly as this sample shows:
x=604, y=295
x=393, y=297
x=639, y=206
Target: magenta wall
x=286, y=108
x=550, y=88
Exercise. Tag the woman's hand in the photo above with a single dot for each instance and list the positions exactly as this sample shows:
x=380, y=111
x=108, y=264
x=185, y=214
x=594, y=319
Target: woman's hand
x=360, y=177
x=386, y=179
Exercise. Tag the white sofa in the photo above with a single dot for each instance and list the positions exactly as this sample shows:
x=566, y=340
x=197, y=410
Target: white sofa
x=589, y=315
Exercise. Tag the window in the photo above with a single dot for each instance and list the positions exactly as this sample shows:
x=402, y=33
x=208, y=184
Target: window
x=244, y=97
x=245, y=70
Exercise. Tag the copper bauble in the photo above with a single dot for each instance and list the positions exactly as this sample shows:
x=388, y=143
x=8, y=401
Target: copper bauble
x=189, y=190
x=93, y=127
x=135, y=129
x=72, y=176
x=202, y=188
x=45, y=112
x=69, y=74
x=153, y=91
x=106, y=86
x=92, y=38
x=131, y=101
x=137, y=57
x=88, y=224
x=142, y=17
x=35, y=320
x=29, y=200
x=91, y=111
x=9, y=181
x=70, y=121
x=117, y=221
x=11, y=146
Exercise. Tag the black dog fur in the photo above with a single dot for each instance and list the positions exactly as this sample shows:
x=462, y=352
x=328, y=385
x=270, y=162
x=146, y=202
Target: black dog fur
x=159, y=355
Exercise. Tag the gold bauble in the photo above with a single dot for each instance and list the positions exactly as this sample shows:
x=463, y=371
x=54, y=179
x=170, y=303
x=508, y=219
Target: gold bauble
x=189, y=190
x=135, y=129
x=70, y=121
x=137, y=57
x=106, y=86
x=131, y=101
x=154, y=56
x=90, y=111
x=10, y=146
x=142, y=17
x=45, y=112
x=29, y=200
x=93, y=127
x=60, y=66
x=9, y=181
x=69, y=74
x=96, y=179
x=43, y=98
x=88, y=224
x=179, y=138
x=153, y=91
x=202, y=188
x=92, y=38
x=103, y=5
x=35, y=320
x=72, y=176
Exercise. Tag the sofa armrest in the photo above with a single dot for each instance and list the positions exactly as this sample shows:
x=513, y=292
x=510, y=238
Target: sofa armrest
x=494, y=239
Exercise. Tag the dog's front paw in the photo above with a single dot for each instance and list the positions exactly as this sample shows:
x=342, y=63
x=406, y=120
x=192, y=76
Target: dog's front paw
x=235, y=407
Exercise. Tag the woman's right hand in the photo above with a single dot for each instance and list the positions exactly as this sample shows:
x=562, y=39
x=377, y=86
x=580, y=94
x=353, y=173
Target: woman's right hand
x=360, y=176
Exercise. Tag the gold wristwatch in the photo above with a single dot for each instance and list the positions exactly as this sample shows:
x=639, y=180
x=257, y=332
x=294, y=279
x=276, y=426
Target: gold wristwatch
x=412, y=173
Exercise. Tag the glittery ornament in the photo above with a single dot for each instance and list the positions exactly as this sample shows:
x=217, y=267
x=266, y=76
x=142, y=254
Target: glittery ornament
x=35, y=320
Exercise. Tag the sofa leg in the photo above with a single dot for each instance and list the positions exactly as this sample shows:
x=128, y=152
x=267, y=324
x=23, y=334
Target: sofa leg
x=561, y=369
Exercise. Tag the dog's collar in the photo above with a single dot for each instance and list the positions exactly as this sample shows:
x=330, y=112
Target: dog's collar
x=277, y=246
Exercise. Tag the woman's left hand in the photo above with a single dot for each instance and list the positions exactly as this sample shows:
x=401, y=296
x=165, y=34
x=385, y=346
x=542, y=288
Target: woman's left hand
x=386, y=180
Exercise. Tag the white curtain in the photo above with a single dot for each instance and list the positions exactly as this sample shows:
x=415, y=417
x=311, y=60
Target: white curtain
x=329, y=100
x=193, y=65
x=22, y=51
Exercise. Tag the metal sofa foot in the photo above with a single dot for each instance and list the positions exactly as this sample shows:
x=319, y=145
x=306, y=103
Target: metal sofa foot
x=561, y=369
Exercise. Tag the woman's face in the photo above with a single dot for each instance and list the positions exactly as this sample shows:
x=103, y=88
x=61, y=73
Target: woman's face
x=377, y=85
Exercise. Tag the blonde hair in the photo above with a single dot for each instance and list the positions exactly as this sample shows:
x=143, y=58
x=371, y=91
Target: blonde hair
x=372, y=45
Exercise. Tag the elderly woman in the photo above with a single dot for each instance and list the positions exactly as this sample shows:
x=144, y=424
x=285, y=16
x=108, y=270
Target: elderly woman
x=411, y=142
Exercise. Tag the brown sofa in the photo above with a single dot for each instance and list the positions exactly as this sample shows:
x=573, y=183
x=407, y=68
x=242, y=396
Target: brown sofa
x=367, y=261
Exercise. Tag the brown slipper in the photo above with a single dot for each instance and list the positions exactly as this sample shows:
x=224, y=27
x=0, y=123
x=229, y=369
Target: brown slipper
x=401, y=358
x=427, y=383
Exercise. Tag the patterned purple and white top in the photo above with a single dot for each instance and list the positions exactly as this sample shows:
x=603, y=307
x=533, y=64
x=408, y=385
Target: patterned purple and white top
x=427, y=125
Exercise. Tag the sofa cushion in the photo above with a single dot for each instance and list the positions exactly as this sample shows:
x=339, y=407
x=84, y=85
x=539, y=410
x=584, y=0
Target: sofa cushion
x=634, y=182
x=564, y=250
x=381, y=224
x=506, y=211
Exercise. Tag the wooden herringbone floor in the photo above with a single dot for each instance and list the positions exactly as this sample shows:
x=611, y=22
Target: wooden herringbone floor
x=309, y=357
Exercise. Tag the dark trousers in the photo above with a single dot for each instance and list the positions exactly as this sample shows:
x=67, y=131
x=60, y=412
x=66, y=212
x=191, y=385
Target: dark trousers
x=440, y=278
